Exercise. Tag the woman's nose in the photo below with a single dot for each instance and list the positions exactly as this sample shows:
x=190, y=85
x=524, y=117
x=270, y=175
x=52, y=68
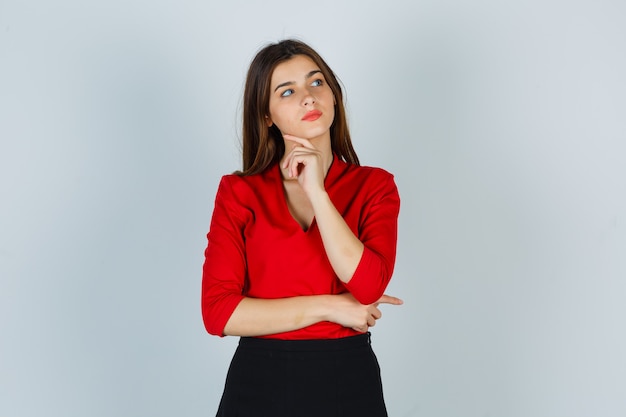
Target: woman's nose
x=308, y=99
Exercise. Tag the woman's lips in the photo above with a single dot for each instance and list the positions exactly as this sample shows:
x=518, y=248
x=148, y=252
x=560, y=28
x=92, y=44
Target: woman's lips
x=312, y=115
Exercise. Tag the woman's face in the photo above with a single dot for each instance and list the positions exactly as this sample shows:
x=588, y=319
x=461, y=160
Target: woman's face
x=301, y=102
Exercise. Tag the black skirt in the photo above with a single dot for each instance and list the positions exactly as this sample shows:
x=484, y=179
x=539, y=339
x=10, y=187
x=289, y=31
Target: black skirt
x=301, y=378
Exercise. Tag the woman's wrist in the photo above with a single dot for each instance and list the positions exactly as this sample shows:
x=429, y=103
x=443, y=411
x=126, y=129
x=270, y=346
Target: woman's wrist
x=324, y=307
x=320, y=200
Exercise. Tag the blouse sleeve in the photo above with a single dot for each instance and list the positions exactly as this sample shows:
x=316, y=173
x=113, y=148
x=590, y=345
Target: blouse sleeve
x=224, y=270
x=378, y=232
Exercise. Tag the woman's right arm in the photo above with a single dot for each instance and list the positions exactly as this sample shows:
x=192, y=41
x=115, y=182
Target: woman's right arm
x=260, y=317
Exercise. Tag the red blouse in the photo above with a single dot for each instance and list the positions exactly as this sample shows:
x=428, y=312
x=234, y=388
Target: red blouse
x=257, y=249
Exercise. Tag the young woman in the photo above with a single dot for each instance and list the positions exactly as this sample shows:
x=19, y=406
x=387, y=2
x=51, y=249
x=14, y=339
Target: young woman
x=301, y=247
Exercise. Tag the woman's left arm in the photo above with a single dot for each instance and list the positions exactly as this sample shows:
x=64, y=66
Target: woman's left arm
x=364, y=265
x=343, y=248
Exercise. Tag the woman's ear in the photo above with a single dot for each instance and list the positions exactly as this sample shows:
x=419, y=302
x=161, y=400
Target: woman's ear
x=268, y=121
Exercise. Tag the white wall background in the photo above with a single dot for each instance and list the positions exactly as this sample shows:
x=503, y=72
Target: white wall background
x=504, y=122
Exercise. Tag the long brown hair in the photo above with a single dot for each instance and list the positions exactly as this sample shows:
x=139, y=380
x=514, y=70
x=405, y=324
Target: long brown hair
x=263, y=145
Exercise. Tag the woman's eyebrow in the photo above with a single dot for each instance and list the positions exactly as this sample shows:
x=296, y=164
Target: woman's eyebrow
x=312, y=73
x=285, y=84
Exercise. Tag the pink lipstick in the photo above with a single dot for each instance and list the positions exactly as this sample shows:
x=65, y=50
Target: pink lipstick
x=312, y=115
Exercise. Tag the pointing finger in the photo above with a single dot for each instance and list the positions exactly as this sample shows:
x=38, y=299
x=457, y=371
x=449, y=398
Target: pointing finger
x=388, y=299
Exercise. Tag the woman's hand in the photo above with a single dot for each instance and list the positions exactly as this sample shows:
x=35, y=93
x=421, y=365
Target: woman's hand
x=348, y=312
x=304, y=163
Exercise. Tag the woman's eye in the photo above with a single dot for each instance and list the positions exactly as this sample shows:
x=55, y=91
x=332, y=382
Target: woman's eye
x=316, y=83
x=287, y=93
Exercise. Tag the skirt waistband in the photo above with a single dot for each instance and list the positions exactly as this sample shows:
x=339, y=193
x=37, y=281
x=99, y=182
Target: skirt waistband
x=307, y=345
